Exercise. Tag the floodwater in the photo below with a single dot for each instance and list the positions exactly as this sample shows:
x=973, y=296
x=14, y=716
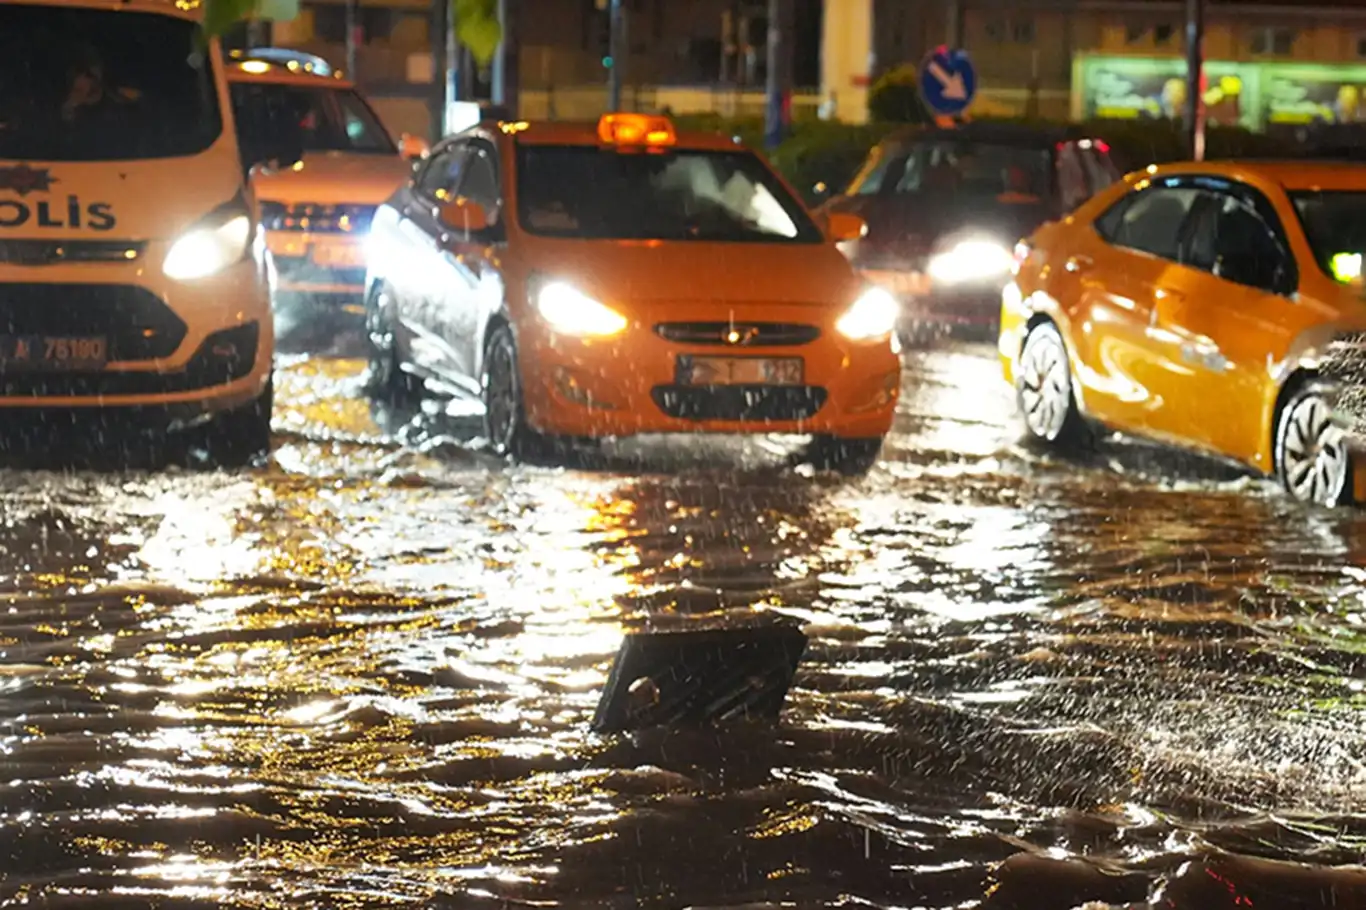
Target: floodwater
x=363, y=675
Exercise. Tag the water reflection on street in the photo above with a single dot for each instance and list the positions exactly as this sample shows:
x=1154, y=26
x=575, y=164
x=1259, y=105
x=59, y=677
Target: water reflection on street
x=363, y=675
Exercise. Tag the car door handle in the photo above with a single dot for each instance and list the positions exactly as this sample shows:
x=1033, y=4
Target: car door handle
x=1078, y=263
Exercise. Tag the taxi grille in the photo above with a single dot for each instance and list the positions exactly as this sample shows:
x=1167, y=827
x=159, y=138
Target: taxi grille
x=739, y=334
x=135, y=322
x=754, y=403
x=317, y=218
x=50, y=252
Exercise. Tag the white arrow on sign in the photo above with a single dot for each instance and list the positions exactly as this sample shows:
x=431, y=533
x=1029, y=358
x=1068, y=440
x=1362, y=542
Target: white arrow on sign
x=954, y=89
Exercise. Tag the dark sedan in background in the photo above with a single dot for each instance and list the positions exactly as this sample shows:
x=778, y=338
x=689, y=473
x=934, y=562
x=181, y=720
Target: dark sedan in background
x=945, y=207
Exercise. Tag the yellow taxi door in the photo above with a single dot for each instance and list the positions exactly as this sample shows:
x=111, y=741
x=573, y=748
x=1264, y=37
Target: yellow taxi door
x=1222, y=314
x=1112, y=277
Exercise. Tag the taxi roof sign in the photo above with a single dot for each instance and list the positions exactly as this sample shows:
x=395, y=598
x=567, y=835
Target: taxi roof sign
x=636, y=129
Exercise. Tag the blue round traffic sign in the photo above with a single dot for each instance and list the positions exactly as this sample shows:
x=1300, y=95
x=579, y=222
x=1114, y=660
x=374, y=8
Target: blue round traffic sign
x=947, y=81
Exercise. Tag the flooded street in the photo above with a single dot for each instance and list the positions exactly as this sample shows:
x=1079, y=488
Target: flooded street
x=363, y=676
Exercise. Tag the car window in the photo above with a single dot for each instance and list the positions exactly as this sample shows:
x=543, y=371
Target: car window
x=330, y=119
x=1334, y=223
x=481, y=178
x=1149, y=220
x=876, y=171
x=441, y=176
x=1072, y=185
x=976, y=169
x=1244, y=248
x=1100, y=170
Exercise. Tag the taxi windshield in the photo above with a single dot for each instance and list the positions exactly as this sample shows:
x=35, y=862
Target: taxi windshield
x=1335, y=225
x=593, y=193
x=331, y=119
x=100, y=84
x=957, y=168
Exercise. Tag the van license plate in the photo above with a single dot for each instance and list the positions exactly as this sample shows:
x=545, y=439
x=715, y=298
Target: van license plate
x=52, y=352
x=739, y=370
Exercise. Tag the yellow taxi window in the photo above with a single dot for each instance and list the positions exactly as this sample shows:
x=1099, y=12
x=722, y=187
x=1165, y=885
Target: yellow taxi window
x=1335, y=225
x=683, y=194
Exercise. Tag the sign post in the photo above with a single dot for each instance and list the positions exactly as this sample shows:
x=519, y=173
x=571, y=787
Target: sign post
x=948, y=81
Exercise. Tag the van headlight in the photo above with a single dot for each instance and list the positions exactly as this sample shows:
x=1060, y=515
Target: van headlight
x=569, y=311
x=873, y=315
x=215, y=243
x=970, y=260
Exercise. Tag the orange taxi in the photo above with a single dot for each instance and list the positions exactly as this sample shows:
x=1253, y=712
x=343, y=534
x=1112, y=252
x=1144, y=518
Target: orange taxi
x=617, y=278
x=317, y=213
x=1217, y=306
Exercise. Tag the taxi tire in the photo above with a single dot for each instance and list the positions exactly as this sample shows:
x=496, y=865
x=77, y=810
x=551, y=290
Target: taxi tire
x=516, y=438
x=239, y=437
x=847, y=456
x=1296, y=411
x=386, y=379
x=1073, y=431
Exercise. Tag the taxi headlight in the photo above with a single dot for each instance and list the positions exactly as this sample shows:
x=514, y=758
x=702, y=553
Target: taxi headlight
x=210, y=246
x=571, y=312
x=970, y=259
x=873, y=315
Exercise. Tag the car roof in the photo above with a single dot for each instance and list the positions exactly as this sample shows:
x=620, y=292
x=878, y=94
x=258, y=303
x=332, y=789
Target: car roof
x=1022, y=135
x=566, y=132
x=1292, y=174
x=271, y=72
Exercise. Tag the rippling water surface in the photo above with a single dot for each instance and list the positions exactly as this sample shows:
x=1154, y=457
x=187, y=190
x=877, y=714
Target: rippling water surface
x=363, y=675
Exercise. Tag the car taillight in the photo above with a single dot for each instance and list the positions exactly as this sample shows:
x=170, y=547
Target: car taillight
x=1022, y=251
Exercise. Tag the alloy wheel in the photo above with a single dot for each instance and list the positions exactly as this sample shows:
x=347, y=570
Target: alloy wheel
x=1315, y=464
x=1045, y=384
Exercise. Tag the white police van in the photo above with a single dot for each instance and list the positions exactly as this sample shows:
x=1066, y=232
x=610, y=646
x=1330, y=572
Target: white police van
x=132, y=273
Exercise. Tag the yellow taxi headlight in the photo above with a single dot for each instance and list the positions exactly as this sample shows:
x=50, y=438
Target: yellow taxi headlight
x=873, y=315
x=569, y=311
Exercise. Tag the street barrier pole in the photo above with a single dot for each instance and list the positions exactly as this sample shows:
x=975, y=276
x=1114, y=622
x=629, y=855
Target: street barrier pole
x=1195, y=83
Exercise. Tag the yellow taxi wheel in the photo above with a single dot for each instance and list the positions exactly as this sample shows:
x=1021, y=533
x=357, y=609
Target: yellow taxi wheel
x=386, y=377
x=1043, y=385
x=505, y=425
x=1313, y=457
x=848, y=456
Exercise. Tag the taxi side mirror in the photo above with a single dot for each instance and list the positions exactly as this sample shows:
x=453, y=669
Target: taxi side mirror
x=412, y=147
x=464, y=216
x=843, y=226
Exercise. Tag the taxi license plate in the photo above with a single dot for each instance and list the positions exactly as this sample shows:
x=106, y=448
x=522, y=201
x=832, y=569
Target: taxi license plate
x=339, y=255
x=52, y=352
x=739, y=370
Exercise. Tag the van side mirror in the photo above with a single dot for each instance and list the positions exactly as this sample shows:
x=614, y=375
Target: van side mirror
x=842, y=226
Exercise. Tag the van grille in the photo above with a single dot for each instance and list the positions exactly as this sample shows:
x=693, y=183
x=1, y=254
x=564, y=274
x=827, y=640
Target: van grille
x=50, y=252
x=137, y=324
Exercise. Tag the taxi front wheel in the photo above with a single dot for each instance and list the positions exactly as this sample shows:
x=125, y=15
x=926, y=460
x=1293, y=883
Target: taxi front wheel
x=1043, y=384
x=505, y=424
x=1313, y=460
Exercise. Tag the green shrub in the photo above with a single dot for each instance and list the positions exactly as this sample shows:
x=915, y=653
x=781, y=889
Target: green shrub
x=895, y=97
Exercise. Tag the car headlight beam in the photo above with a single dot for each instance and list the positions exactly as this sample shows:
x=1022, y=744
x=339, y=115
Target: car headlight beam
x=569, y=311
x=873, y=315
x=970, y=260
x=208, y=249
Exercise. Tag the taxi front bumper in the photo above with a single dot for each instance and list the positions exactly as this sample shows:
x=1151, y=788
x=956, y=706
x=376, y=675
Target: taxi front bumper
x=636, y=383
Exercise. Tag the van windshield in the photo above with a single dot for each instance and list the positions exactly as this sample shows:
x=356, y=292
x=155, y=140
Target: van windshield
x=101, y=85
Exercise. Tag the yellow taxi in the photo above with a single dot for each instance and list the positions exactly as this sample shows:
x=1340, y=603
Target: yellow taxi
x=621, y=277
x=1217, y=306
x=317, y=213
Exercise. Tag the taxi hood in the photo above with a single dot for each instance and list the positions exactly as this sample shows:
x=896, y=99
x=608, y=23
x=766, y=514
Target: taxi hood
x=643, y=272
x=154, y=199
x=336, y=178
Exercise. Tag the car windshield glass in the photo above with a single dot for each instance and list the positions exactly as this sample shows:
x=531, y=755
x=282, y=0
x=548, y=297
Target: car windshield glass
x=102, y=84
x=975, y=169
x=601, y=194
x=1335, y=225
x=330, y=119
